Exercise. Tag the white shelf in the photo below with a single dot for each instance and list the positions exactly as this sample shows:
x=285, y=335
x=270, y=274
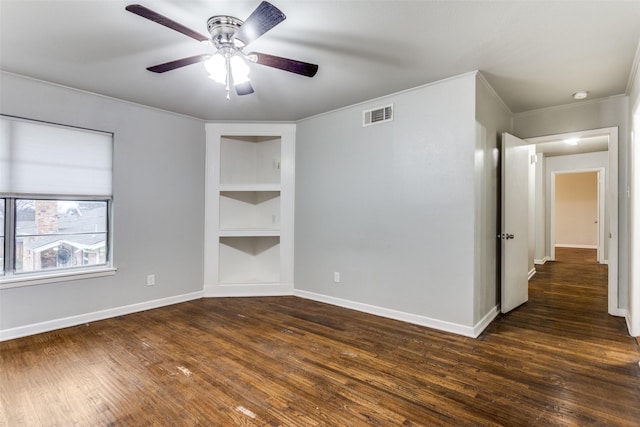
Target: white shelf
x=249, y=187
x=249, y=232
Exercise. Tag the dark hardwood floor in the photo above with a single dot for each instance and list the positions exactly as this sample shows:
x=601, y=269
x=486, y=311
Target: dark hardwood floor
x=557, y=360
x=576, y=255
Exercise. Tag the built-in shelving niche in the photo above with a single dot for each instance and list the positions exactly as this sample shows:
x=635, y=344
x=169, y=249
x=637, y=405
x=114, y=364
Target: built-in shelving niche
x=250, y=160
x=250, y=209
x=250, y=260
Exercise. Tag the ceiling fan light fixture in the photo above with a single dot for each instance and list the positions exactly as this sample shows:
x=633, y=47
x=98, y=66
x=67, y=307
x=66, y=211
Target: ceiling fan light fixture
x=581, y=94
x=229, y=35
x=216, y=66
x=239, y=70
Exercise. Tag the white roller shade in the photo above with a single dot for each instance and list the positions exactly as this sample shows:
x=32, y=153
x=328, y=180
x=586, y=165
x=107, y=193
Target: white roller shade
x=41, y=158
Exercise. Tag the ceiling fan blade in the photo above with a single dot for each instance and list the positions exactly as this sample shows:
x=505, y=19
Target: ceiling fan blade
x=163, y=20
x=286, y=64
x=244, y=88
x=265, y=17
x=168, y=66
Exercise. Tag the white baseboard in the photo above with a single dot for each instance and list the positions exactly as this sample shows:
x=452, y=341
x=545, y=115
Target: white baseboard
x=472, y=332
x=541, y=261
x=486, y=321
x=571, y=245
x=633, y=333
x=50, y=325
x=619, y=312
x=248, y=290
x=532, y=273
x=627, y=318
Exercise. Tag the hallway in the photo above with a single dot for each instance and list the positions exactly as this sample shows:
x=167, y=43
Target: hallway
x=584, y=355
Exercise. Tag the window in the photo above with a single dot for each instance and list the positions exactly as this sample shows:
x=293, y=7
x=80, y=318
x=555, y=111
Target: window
x=55, y=199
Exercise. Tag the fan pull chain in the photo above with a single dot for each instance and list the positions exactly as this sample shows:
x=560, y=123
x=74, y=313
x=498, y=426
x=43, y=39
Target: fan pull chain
x=227, y=59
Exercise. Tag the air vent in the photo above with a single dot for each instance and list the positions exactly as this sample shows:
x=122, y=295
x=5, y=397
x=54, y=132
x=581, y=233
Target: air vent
x=377, y=115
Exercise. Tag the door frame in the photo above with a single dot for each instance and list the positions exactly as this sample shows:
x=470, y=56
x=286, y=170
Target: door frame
x=600, y=173
x=633, y=316
x=611, y=194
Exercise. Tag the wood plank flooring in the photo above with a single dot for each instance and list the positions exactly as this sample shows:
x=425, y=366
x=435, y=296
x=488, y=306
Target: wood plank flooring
x=576, y=255
x=285, y=361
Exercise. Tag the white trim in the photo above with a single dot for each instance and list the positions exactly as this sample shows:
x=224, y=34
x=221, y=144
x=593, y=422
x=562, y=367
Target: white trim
x=248, y=290
x=611, y=193
x=541, y=261
x=627, y=317
x=532, y=273
x=491, y=90
x=19, y=281
x=486, y=321
x=571, y=245
x=633, y=195
x=634, y=68
x=416, y=319
x=50, y=325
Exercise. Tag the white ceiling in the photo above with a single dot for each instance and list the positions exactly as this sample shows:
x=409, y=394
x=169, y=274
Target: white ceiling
x=534, y=53
x=589, y=144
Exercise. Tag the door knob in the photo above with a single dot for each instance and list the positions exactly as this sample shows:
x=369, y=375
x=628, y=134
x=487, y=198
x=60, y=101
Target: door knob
x=506, y=236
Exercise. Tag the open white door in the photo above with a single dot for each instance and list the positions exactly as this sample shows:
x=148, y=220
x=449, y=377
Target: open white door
x=514, y=236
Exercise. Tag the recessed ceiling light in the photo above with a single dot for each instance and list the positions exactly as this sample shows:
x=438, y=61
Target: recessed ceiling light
x=581, y=94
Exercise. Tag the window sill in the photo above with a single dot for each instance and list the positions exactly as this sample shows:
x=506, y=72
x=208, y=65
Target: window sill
x=45, y=278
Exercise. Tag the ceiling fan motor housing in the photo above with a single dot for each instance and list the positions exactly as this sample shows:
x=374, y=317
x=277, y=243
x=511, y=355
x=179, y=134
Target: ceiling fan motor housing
x=223, y=29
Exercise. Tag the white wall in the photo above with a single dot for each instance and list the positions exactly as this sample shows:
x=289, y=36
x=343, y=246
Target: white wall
x=158, y=208
x=391, y=206
x=540, y=242
x=603, y=113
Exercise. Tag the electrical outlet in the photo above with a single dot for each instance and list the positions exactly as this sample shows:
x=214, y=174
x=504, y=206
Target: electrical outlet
x=336, y=277
x=151, y=280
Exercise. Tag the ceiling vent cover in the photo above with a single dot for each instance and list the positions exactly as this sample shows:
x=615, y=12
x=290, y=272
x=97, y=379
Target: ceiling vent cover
x=377, y=115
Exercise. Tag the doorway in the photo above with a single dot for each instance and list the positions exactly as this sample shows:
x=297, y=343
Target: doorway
x=609, y=137
x=577, y=208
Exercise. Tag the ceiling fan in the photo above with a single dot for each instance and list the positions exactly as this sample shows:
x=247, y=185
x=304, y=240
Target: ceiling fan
x=229, y=36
